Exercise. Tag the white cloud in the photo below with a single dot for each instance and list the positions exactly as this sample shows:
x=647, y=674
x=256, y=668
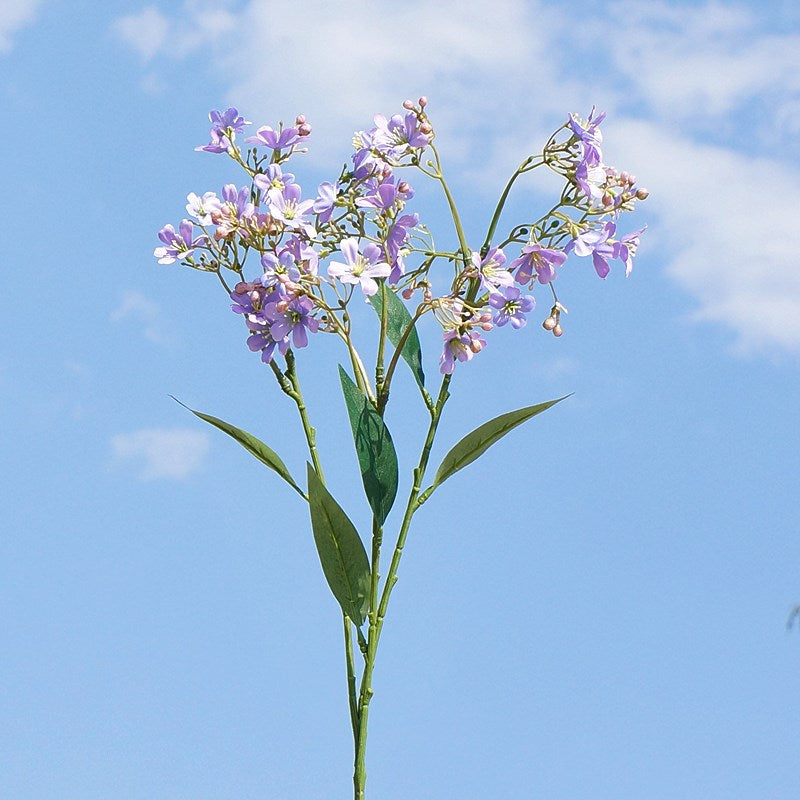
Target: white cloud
x=14, y=14
x=134, y=305
x=698, y=96
x=145, y=31
x=161, y=452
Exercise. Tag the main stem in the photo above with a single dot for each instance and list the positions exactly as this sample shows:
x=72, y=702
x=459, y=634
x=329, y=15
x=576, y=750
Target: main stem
x=378, y=609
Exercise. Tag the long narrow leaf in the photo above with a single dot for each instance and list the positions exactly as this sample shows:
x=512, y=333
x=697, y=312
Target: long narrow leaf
x=376, y=454
x=482, y=438
x=397, y=322
x=341, y=551
x=266, y=455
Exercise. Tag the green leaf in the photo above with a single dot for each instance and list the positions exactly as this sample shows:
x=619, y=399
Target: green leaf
x=255, y=447
x=481, y=439
x=341, y=551
x=397, y=322
x=376, y=455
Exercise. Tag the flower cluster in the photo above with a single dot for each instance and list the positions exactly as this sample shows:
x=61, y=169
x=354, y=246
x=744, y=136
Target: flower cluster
x=354, y=237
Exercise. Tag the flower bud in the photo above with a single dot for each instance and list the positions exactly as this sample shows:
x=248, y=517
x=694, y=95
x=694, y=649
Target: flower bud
x=304, y=129
x=408, y=105
x=557, y=331
x=403, y=187
x=408, y=293
x=549, y=323
x=476, y=345
x=241, y=287
x=608, y=200
x=487, y=326
x=299, y=119
x=281, y=306
x=428, y=295
x=642, y=194
x=426, y=128
x=423, y=101
x=631, y=179
x=625, y=177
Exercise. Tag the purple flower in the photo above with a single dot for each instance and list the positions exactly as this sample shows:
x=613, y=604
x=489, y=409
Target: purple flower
x=399, y=134
x=591, y=180
x=459, y=347
x=273, y=181
x=177, y=245
x=288, y=209
x=305, y=256
x=360, y=269
x=293, y=320
x=597, y=243
x=625, y=249
x=201, y=208
x=224, y=126
x=398, y=236
x=539, y=262
x=589, y=137
x=491, y=270
x=511, y=307
x=276, y=140
x=326, y=199
x=277, y=265
x=261, y=339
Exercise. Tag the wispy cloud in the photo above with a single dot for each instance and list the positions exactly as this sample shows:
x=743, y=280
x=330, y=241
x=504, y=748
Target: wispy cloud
x=13, y=16
x=173, y=453
x=147, y=314
x=699, y=95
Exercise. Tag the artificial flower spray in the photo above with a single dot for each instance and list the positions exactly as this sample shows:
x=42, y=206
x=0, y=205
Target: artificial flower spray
x=291, y=262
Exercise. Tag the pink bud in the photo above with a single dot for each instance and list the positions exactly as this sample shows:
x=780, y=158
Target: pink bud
x=487, y=326
x=403, y=187
x=557, y=331
x=281, y=306
x=631, y=179
x=408, y=293
x=428, y=295
x=241, y=287
x=625, y=177
x=408, y=105
x=608, y=200
x=304, y=129
x=254, y=296
x=549, y=323
x=423, y=101
x=642, y=194
x=475, y=345
x=426, y=128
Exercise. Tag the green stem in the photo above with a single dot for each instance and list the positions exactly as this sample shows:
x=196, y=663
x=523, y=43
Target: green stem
x=501, y=204
x=378, y=614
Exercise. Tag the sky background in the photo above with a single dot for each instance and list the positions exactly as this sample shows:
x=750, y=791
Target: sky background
x=596, y=610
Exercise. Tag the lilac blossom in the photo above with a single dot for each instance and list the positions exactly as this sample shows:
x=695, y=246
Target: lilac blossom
x=273, y=181
x=275, y=266
x=261, y=339
x=511, y=306
x=326, y=200
x=202, y=208
x=235, y=208
x=594, y=242
x=398, y=235
x=625, y=249
x=459, y=347
x=224, y=126
x=589, y=137
x=537, y=262
x=177, y=245
x=360, y=268
x=275, y=140
x=295, y=319
x=491, y=270
x=288, y=209
x=399, y=134
x=305, y=256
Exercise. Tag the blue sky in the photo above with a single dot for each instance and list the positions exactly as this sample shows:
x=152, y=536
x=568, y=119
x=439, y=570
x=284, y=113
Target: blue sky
x=595, y=610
